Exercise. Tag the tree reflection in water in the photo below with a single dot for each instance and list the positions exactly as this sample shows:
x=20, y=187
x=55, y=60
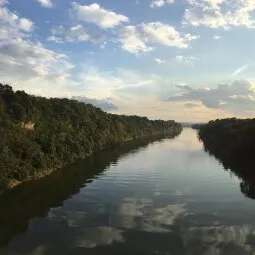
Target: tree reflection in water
x=242, y=168
x=35, y=198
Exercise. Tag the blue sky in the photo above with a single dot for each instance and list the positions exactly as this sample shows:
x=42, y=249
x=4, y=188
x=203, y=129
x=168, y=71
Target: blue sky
x=189, y=60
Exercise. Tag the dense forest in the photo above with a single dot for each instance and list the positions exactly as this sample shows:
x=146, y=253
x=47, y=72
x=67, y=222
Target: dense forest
x=232, y=142
x=40, y=134
x=233, y=137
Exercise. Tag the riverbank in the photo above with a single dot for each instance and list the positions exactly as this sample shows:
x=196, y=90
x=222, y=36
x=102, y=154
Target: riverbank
x=232, y=142
x=39, y=135
x=129, y=143
x=233, y=138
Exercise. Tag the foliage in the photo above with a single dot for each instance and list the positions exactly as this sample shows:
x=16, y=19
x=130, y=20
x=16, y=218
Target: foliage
x=38, y=134
x=197, y=126
x=232, y=142
x=235, y=137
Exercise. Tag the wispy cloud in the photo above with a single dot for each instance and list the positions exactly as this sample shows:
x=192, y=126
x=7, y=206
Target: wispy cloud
x=188, y=60
x=240, y=70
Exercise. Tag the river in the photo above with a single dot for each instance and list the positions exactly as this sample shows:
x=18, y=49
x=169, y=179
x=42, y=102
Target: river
x=164, y=197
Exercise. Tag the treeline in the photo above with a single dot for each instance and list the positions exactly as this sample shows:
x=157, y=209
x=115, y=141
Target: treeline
x=233, y=137
x=40, y=134
x=232, y=142
x=197, y=126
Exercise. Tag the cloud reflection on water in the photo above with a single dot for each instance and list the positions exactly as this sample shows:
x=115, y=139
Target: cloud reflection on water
x=142, y=215
x=92, y=237
x=221, y=240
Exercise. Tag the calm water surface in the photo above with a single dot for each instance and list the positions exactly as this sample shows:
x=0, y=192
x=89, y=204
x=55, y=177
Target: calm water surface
x=166, y=197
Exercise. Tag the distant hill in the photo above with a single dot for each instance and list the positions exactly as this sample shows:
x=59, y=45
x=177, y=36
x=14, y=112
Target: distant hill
x=190, y=124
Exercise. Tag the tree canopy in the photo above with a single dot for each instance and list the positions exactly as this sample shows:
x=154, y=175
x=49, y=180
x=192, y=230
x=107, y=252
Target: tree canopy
x=232, y=142
x=39, y=134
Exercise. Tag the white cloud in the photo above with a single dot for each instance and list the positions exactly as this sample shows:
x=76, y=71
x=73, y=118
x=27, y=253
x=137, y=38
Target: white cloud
x=143, y=37
x=188, y=60
x=132, y=41
x=8, y=17
x=76, y=33
x=27, y=63
x=216, y=37
x=103, y=45
x=45, y=3
x=55, y=39
x=26, y=25
x=220, y=13
x=58, y=30
x=94, y=13
x=156, y=32
x=11, y=25
x=157, y=3
x=2, y=2
x=160, y=3
x=160, y=61
x=82, y=33
x=23, y=60
x=240, y=70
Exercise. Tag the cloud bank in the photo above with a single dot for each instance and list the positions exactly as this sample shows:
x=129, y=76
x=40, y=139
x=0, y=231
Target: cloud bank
x=237, y=97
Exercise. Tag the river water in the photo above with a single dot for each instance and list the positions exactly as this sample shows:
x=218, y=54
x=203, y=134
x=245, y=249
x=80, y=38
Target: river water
x=164, y=197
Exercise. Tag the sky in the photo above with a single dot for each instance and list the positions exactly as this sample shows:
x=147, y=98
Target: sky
x=188, y=60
